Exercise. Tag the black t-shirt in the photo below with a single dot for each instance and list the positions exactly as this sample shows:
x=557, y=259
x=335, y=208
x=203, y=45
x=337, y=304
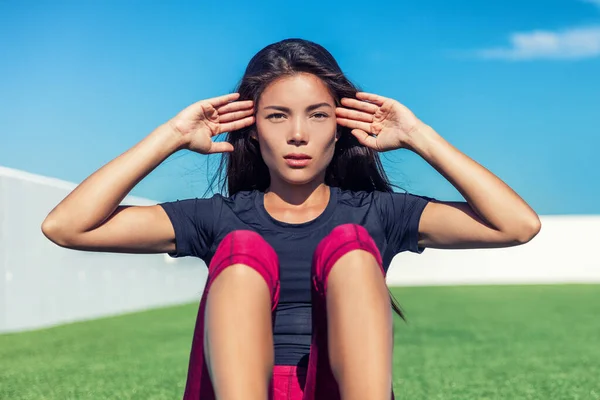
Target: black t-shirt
x=392, y=220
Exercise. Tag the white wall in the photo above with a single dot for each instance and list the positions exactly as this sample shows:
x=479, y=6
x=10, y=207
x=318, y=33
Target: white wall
x=42, y=284
x=567, y=250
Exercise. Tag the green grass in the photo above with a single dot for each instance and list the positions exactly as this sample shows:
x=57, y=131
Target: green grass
x=506, y=342
x=484, y=342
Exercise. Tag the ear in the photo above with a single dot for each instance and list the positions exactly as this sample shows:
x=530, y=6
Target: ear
x=338, y=133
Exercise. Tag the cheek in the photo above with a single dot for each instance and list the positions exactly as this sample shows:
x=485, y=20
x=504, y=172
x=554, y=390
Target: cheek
x=327, y=140
x=268, y=143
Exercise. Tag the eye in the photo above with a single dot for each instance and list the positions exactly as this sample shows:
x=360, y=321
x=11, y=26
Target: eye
x=320, y=115
x=276, y=116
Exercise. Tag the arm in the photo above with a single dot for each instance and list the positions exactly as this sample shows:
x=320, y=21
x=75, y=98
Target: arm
x=90, y=217
x=493, y=216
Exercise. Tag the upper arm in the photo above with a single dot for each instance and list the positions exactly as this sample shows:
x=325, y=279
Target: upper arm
x=130, y=229
x=455, y=225
x=180, y=228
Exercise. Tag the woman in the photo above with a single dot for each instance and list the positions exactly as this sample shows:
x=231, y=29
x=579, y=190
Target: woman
x=295, y=305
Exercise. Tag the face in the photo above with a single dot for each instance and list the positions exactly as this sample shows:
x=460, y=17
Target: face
x=296, y=124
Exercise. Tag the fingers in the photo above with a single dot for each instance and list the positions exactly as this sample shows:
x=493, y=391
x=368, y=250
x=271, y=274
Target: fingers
x=235, y=106
x=237, y=124
x=341, y=112
x=221, y=100
x=364, y=138
x=374, y=98
x=221, y=147
x=232, y=116
x=360, y=105
x=353, y=124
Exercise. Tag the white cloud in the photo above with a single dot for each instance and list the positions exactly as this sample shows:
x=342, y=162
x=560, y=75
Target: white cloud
x=596, y=2
x=567, y=44
x=574, y=43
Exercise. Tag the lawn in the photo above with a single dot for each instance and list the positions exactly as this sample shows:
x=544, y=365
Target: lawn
x=479, y=342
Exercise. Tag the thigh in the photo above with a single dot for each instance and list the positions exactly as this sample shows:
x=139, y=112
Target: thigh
x=321, y=384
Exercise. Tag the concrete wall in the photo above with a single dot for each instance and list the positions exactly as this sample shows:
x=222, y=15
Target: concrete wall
x=42, y=284
x=567, y=250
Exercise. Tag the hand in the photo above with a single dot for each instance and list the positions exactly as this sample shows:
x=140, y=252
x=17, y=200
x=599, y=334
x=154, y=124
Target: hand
x=378, y=122
x=200, y=122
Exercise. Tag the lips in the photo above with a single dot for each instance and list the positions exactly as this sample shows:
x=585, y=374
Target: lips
x=297, y=156
x=297, y=160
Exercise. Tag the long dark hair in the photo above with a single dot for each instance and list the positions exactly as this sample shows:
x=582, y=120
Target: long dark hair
x=353, y=166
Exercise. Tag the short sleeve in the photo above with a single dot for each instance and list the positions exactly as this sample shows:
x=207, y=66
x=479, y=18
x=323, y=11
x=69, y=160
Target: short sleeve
x=193, y=223
x=400, y=215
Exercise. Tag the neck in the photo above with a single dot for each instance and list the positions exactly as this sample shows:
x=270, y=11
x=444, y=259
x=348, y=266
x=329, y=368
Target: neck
x=305, y=195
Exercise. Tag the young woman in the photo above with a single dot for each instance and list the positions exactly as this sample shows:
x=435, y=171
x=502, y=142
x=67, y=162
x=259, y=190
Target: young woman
x=295, y=305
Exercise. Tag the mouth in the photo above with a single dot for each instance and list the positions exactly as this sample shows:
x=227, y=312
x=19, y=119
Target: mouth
x=297, y=160
x=297, y=156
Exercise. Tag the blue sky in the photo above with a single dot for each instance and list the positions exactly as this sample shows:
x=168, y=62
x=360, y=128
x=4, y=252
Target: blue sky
x=513, y=84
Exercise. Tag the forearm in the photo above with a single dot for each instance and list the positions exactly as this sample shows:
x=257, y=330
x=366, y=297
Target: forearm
x=492, y=199
x=98, y=196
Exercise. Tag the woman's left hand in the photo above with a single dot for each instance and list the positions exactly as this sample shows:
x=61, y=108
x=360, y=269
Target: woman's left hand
x=378, y=122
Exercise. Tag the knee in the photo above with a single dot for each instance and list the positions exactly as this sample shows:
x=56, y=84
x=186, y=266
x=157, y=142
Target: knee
x=346, y=233
x=243, y=242
x=244, y=250
x=349, y=232
x=237, y=272
x=342, y=240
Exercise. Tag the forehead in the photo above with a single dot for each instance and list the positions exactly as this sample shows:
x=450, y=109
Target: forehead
x=300, y=89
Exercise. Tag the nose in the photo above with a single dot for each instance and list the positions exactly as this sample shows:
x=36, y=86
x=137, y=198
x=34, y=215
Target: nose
x=298, y=134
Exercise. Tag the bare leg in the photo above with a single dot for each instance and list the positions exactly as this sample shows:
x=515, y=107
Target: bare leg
x=238, y=334
x=360, y=327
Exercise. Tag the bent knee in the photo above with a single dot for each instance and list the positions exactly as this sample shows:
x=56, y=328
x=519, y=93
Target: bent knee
x=242, y=251
x=355, y=269
x=349, y=241
x=241, y=278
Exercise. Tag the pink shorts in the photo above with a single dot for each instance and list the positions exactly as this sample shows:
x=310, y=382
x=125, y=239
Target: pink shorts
x=249, y=248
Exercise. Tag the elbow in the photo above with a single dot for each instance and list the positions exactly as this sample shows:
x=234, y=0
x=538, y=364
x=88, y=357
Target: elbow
x=528, y=230
x=53, y=231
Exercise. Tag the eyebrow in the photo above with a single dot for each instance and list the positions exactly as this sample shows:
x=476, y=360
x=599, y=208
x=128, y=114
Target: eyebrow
x=308, y=109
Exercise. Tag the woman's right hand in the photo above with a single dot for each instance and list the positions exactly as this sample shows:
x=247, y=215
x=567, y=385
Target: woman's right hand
x=201, y=121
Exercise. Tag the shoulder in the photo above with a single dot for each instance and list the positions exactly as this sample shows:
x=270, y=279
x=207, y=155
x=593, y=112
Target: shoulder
x=195, y=207
x=375, y=197
x=242, y=204
x=403, y=196
x=383, y=206
x=401, y=206
x=239, y=199
x=218, y=199
x=382, y=202
x=355, y=198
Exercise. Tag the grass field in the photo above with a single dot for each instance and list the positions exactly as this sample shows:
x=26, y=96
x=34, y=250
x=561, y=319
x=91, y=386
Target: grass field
x=484, y=342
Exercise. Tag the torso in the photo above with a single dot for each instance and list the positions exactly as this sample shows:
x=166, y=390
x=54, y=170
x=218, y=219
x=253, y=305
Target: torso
x=295, y=243
x=392, y=220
